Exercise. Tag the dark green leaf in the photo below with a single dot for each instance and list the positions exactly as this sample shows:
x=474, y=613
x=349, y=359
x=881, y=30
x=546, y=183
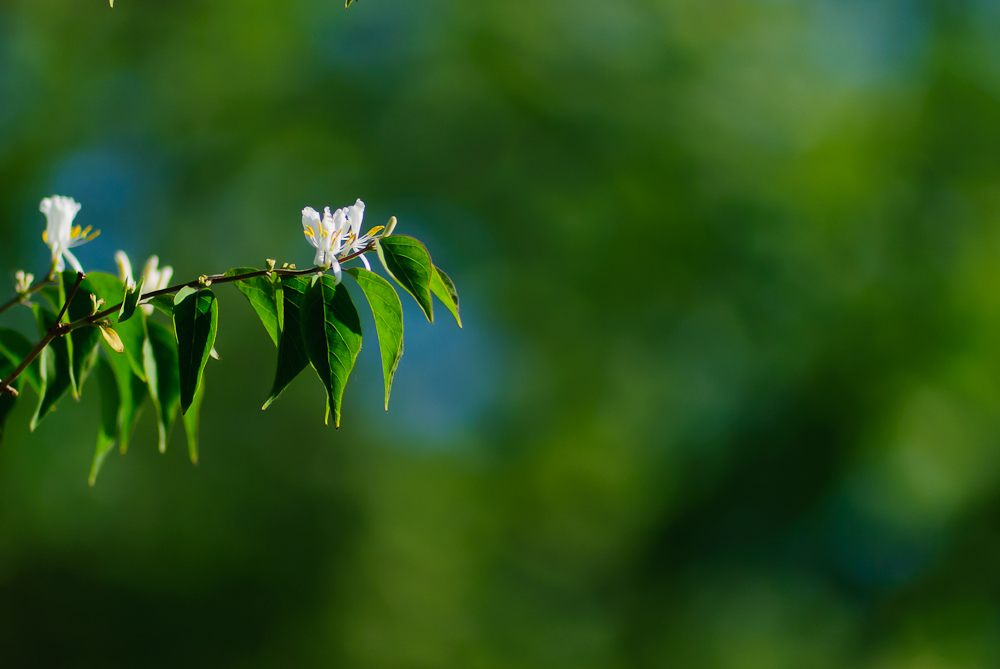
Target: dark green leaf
x=388, y=313
x=444, y=288
x=331, y=331
x=132, y=392
x=409, y=263
x=15, y=347
x=191, y=419
x=52, y=295
x=259, y=290
x=107, y=429
x=6, y=401
x=292, y=357
x=160, y=357
x=54, y=366
x=130, y=300
x=196, y=318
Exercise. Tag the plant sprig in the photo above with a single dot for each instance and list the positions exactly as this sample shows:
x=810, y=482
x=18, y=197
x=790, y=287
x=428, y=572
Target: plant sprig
x=308, y=314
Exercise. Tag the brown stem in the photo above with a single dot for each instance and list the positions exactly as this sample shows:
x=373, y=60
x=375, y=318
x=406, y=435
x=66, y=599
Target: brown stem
x=57, y=329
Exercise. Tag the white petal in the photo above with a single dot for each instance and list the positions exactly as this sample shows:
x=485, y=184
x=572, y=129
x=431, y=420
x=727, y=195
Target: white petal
x=365, y=261
x=149, y=272
x=124, y=267
x=355, y=214
x=337, y=275
x=165, y=275
x=74, y=263
x=310, y=218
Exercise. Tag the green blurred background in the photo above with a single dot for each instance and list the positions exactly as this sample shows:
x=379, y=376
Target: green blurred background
x=728, y=391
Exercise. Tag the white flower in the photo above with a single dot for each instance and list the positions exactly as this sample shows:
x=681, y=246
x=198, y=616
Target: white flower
x=326, y=236
x=153, y=278
x=356, y=242
x=60, y=234
x=124, y=270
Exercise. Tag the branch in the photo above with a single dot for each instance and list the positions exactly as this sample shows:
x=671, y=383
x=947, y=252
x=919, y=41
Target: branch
x=57, y=329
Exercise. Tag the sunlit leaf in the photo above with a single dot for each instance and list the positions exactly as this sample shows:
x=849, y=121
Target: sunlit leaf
x=95, y=287
x=292, y=357
x=388, y=313
x=409, y=263
x=331, y=330
x=443, y=287
x=107, y=430
x=164, y=303
x=54, y=366
x=259, y=290
x=15, y=347
x=196, y=317
x=160, y=359
x=130, y=300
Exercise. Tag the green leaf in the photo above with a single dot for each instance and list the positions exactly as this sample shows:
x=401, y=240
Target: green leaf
x=259, y=290
x=133, y=334
x=95, y=287
x=191, y=420
x=132, y=392
x=331, y=330
x=443, y=287
x=196, y=319
x=160, y=358
x=130, y=300
x=52, y=295
x=107, y=429
x=6, y=401
x=54, y=366
x=409, y=263
x=132, y=331
x=15, y=347
x=388, y=313
x=292, y=357
x=164, y=303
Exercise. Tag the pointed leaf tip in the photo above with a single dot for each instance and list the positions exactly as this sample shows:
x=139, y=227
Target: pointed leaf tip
x=196, y=316
x=331, y=331
x=408, y=262
x=444, y=289
x=388, y=313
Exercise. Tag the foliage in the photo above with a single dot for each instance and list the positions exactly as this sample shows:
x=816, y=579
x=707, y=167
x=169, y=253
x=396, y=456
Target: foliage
x=308, y=314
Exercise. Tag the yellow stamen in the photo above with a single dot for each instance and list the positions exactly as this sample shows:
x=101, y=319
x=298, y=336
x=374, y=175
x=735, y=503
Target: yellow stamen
x=86, y=231
x=45, y=236
x=75, y=232
x=309, y=231
x=93, y=235
x=377, y=229
x=323, y=233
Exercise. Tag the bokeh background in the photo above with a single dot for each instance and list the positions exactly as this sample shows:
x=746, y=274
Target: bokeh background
x=728, y=391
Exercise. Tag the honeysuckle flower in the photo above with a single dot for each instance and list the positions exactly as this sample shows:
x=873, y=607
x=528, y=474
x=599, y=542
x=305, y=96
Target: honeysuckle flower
x=356, y=242
x=60, y=234
x=124, y=270
x=153, y=278
x=325, y=234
